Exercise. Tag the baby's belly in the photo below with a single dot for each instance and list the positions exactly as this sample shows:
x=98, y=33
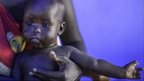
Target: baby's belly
x=42, y=63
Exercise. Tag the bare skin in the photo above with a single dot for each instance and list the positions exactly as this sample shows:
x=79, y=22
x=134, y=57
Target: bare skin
x=36, y=31
x=98, y=66
x=71, y=36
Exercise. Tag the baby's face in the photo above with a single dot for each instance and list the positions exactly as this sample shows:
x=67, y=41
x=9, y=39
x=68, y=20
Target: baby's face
x=40, y=26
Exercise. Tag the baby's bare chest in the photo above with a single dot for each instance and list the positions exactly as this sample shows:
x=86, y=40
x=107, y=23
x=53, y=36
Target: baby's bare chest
x=44, y=60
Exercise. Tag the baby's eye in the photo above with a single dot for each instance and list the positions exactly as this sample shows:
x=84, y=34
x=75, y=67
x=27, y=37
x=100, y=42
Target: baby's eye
x=28, y=23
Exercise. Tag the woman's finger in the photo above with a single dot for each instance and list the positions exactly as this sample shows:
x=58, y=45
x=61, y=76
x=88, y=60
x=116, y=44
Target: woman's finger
x=42, y=73
x=60, y=60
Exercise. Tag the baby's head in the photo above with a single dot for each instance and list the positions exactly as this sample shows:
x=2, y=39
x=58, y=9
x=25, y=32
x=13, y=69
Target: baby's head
x=43, y=22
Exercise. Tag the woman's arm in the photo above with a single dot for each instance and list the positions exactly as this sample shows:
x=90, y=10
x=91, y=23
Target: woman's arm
x=72, y=35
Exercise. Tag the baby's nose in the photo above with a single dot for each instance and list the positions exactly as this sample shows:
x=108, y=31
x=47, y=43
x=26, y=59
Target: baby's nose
x=36, y=28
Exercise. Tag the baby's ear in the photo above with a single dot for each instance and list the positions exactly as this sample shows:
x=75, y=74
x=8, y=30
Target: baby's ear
x=62, y=27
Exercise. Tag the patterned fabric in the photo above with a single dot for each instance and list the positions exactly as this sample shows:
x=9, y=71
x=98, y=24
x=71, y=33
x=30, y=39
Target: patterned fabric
x=4, y=70
x=7, y=24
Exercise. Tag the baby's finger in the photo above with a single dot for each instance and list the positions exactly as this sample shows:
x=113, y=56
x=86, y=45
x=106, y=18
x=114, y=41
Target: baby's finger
x=138, y=76
x=133, y=64
x=140, y=69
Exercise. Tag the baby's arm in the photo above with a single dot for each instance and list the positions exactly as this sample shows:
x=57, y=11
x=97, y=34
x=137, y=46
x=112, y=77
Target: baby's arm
x=97, y=65
x=16, y=69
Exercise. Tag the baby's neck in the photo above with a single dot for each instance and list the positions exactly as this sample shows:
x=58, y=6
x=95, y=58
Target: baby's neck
x=53, y=45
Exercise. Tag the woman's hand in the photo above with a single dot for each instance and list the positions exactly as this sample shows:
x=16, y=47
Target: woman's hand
x=68, y=70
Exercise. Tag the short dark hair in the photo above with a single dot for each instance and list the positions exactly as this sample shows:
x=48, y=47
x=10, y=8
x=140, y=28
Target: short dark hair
x=61, y=6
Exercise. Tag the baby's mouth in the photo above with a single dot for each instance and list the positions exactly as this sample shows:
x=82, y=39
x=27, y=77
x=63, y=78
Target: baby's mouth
x=35, y=40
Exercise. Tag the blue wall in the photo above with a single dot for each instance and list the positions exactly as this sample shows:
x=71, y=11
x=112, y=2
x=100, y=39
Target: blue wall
x=112, y=30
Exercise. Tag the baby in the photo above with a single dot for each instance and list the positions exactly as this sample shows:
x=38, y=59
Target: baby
x=43, y=22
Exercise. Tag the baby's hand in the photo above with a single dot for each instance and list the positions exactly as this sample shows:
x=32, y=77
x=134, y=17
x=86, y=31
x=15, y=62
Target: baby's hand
x=131, y=71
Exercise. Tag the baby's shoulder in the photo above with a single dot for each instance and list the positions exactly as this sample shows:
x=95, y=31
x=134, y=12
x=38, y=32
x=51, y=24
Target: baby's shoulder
x=69, y=48
x=22, y=55
x=64, y=50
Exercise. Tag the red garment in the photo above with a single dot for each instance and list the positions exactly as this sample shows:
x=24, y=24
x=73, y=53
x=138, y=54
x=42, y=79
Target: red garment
x=7, y=23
